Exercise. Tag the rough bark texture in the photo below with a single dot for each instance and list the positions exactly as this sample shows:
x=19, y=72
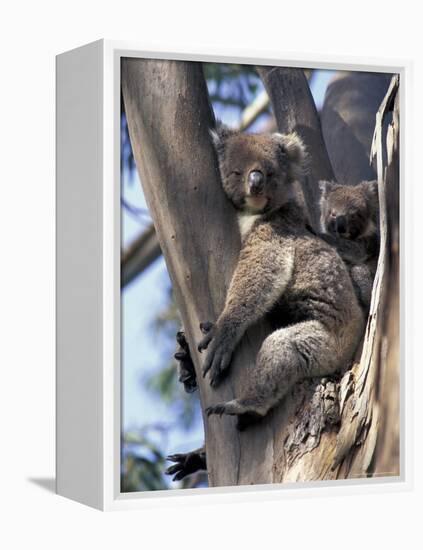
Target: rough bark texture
x=368, y=441
x=387, y=452
x=324, y=429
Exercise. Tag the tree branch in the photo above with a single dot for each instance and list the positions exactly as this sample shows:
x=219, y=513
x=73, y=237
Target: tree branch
x=139, y=255
x=251, y=113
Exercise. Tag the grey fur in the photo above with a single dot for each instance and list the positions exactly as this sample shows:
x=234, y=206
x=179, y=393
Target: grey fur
x=358, y=246
x=284, y=271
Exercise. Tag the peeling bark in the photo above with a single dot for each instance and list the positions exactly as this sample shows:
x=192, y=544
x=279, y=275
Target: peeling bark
x=368, y=441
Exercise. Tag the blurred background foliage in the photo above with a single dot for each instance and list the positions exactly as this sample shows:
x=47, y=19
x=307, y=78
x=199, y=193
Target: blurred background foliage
x=231, y=85
x=167, y=419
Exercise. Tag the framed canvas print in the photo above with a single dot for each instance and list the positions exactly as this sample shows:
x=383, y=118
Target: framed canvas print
x=230, y=275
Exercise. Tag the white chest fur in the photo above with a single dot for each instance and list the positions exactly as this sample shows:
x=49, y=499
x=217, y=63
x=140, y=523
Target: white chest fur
x=245, y=223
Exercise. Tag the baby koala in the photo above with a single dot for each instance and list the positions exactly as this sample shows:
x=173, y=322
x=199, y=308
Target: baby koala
x=349, y=218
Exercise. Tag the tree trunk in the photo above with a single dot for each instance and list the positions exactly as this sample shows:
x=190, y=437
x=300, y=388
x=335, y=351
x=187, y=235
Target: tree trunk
x=169, y=117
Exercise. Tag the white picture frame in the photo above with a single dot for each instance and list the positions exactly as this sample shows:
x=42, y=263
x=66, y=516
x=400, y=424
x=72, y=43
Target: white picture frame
x=88, y=279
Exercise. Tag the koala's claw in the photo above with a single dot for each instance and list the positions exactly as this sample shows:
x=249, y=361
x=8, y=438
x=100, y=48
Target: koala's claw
x=204, y=342
x=180, y=338
x=175, y=469
x=219, y=409
x=219, y=354
x=233, y=408
x=217, y=362
x=206, y=327
x=246, y=416
x=186, y=464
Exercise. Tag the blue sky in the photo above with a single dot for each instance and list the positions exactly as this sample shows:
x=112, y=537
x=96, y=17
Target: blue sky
x=142, y=352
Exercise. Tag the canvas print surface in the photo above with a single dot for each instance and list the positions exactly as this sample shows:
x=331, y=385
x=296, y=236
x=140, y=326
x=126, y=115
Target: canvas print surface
x=259, y=275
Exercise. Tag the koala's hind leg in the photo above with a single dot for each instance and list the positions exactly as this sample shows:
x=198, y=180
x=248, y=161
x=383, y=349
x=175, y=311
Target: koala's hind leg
x=287, y=355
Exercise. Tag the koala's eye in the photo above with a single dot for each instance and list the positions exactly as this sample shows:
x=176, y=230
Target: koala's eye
x=235, y=173
x=270, y=174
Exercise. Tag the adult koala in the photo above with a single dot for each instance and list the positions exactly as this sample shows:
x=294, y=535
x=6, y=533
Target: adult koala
x=283, y=270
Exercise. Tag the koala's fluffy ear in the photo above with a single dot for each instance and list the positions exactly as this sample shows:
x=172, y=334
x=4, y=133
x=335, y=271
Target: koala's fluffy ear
x=326, y=187
x=219, y=135
x=371, y=191
x=294, y=149
x=371, y=188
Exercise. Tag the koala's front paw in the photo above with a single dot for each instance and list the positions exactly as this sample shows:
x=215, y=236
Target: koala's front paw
x=218, y=357
x=186, y=464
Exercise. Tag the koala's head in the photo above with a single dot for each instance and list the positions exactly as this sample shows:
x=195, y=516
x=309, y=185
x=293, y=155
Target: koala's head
x=258, y=171
x=349, y=211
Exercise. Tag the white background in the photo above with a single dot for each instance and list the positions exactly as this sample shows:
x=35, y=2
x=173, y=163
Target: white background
x=31, y=34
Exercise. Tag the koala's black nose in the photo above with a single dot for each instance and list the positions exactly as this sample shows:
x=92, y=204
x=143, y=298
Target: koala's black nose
x=256, y=182
x=341, y=224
